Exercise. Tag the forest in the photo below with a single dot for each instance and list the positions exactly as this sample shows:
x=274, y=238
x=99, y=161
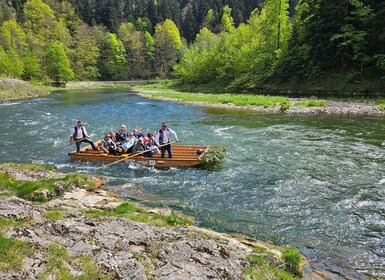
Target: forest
x=240, y=43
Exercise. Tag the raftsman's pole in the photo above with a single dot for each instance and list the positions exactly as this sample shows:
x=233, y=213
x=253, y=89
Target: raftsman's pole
x=53, y=150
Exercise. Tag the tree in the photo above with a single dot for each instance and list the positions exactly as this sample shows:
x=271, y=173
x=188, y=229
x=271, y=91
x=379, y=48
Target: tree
x=6, y=66
x=351, y=41
x=167, y=46
x=58, y=65
x=227, y=21
x=85, y=54
x=113, y=58
x=31, y=66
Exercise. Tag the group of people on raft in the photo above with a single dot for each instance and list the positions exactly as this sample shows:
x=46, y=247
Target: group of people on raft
x=134, y=142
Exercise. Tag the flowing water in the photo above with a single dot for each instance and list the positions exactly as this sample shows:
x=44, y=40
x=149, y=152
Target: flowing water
x=314, y=182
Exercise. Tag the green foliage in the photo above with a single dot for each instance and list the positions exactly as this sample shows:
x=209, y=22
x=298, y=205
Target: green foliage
x=263, y=269
x=293, y=261
x=58, y=65
x=227, y=21
x=135, y=213
x=126, y=208
x=6, y=223
x=168, y=43
x=53, y=215
x=234, y=99
x=59, y=260
x=215, y=155
x=113, y=58
x=43, y=189
x=13, y=252
x=31, y=66
x=311, y=103
x=86, y=54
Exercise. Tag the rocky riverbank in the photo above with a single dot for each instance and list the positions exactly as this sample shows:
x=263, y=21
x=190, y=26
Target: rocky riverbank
x=17, y=89
x=78, y=231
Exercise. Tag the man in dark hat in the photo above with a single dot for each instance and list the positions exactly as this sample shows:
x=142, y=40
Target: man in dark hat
x=79, y=135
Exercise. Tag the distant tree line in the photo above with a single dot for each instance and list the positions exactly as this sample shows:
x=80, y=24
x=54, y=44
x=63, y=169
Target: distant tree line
x=324, y=37
x=196, y=40
x=47, y=40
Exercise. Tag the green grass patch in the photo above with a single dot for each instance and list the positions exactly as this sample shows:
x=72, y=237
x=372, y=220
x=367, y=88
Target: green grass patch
x=311, y=103
x=54, y=215
x=293, y=261
x=262, y=269
x=13, y=252
x=265, y=265
x=58, y=262
x=43, y=189
x=135, y=213
x=7, y=223
x=231, y=99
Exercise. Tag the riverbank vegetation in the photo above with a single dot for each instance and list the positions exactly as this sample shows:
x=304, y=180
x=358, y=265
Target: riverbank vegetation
x=168, y=90
x=326, y=42
x=285, y=46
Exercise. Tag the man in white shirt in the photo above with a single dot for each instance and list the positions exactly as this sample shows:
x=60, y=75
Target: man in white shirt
x=163, y=136
x=79, y=132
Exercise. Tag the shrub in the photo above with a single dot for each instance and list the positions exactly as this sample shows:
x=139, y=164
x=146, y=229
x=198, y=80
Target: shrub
x=293, y=261
x=215, y=155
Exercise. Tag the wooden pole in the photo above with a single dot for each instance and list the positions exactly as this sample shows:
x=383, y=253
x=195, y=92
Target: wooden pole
x=53, y=150
x=123, y=159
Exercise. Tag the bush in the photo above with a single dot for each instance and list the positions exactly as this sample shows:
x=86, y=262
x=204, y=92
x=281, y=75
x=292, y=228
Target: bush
x=293, y=261
x=215, y=155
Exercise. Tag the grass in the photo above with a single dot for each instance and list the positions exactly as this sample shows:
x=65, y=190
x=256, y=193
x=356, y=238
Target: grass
x=293, y=261
x=58, y=262
x=13, y=252
x=43, y=189
x=54, y=215
x=171, y=90
x=265, y=265
x=7, y=223
x=135, y=213
x=311, y=103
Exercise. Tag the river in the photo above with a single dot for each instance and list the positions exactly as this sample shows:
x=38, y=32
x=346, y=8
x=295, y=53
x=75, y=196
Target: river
x=314, y=182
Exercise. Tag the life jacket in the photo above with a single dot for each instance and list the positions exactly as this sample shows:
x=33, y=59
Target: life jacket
x=76, y=133
x=161, y=135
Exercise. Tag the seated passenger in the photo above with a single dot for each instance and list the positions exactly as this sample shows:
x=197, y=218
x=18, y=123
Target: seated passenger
x=124, y=128
x=128, y=143
x=109, y=146
x=112, y=135
x=138, y=132
x=150, y=143
x=138, y=146
x=119, y=137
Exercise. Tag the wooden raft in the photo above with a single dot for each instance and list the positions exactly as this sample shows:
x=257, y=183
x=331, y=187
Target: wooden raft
x=183, y=156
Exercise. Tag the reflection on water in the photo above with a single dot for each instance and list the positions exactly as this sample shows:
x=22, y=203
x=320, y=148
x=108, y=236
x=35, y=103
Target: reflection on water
x=315, y=182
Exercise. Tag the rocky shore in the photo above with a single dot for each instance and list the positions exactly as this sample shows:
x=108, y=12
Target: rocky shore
x=80, y=232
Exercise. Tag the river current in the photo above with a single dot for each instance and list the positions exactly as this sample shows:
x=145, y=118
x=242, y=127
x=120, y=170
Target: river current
x=313, y=182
